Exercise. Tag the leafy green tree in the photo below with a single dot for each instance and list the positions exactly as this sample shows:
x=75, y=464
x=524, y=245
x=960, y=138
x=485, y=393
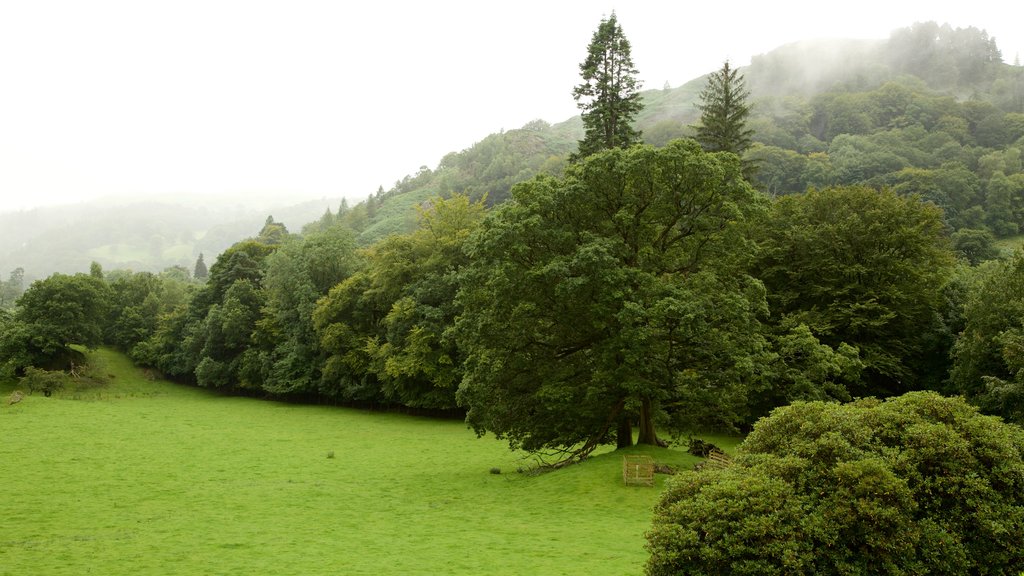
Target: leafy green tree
x=609, y=96
x=611, y=296
x=917, y=484
x=389, y=325
x=346, y=321
x=193, y=333
x=60, y=311
x=417, y=359
x=779, y=171
x=795, y=365
x=287, y=354
x=976, y=246
x=988, y=364
x=134, y=311
x=272, y=233
x=724, y=113
x=864, y=268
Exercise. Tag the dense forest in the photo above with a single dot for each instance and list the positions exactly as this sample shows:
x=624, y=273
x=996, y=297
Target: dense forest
x=828, y=224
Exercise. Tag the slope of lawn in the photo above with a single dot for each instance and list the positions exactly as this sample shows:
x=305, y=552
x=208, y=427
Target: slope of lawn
x=147, y=477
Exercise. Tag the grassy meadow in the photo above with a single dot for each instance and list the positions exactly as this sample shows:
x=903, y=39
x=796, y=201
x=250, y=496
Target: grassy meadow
x=148, y=477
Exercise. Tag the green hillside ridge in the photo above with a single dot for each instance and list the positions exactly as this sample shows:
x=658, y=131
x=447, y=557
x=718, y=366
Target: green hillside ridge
x=825, y=112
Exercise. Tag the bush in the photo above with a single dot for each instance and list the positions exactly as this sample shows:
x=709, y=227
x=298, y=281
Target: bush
x=45, y=381
x=917, y=484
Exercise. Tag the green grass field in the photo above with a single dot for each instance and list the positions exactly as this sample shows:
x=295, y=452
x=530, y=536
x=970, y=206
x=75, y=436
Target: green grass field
x=147, y=477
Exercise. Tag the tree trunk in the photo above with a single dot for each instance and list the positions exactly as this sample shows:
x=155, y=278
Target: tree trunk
x=647, y=433
x=624, y=435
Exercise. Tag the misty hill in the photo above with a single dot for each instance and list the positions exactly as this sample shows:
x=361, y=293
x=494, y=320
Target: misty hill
x=932, y=110
x=139, y=236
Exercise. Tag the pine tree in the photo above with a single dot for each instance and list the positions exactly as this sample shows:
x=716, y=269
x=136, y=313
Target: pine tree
x=723, y=113
x=609, y=97
x=200, y=272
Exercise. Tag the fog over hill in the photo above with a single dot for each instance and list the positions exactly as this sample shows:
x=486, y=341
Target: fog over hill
x=146, y=235
x=173, y=229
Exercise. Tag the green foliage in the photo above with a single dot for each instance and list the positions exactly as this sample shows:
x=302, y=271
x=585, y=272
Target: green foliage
x=975, y=246
x=918, y=484
x=45, y=381
x=285, y=356
x=988, y=363
x=863, y=268
x=55, y=313
x=609, y=96
x=489, y=168
x=612, y=293
x=385, y=329
x=724, y=112
x=138, y=301
x=796, y=365
x=12, y=288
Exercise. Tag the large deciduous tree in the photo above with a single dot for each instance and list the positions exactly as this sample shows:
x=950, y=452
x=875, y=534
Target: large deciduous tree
x=615, y=295
x=57, y=312
x=917, y=484
x=865, y=268
x=723, y=112
x=609, y=96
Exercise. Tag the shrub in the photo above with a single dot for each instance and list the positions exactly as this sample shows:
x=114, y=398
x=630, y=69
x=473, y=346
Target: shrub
x=46, y=381
x=917, y=484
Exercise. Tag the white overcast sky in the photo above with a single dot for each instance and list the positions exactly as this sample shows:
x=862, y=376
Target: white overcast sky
x=317, y=99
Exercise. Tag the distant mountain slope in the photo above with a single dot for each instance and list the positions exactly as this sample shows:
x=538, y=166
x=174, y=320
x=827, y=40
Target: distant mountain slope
x=140, y=236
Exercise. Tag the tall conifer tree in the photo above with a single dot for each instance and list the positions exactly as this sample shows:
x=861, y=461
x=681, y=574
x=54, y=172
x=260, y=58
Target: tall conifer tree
x=200, y=272
x=609, y=96
x=723, y=113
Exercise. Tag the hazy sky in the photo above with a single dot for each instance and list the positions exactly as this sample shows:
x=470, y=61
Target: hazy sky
x=331, y=98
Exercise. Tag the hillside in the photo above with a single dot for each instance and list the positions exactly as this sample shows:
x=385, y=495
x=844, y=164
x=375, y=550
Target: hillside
x=932, y=110
x=145, y=236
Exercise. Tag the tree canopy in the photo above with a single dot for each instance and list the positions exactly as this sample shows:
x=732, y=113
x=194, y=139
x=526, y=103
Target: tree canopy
x=52, y=315
x=607, y=297
x=860, y=267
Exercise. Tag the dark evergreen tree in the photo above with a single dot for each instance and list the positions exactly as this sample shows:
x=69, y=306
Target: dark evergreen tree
x=200, y=272
x=609, y=97
x=723, y=112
